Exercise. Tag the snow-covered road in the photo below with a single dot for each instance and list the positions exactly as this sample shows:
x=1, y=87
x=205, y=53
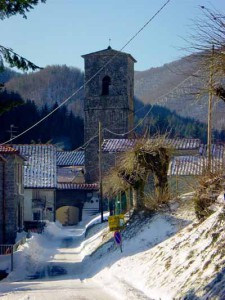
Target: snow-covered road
x=58, y=288
x=60, y=276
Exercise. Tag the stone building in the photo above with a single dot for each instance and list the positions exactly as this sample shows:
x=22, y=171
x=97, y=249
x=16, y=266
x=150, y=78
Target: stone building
x=40, y=182
x=109, y=93
x=54, y=185
x=73, y=196
x=11, y=194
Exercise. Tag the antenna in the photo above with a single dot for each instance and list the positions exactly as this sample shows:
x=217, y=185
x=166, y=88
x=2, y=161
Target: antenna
x=11, y=131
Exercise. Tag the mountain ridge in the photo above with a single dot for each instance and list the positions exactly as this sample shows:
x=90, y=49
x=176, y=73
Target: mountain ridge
x=174, y=86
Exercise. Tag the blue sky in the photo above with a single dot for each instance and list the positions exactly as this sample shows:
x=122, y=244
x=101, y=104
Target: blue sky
x=60, y=31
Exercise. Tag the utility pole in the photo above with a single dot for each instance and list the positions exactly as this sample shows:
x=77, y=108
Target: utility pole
x=100, y=169
x=209, y=135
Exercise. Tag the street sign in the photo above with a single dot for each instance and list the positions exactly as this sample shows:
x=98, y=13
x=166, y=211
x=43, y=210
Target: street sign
x=118, y=237
x=116, y=222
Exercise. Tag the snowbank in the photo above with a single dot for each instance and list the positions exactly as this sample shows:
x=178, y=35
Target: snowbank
x=165, y=256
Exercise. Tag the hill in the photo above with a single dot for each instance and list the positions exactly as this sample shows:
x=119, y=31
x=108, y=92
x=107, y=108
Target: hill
x=8, y=74
x=151, y=84
x=161, y=120
x=63, y=128
x=176, y=86
x=168, y=255
x=172, y=86
x=50, y=85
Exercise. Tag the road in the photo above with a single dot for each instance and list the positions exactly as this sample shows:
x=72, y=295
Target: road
x=61, y=277
x=63, y=289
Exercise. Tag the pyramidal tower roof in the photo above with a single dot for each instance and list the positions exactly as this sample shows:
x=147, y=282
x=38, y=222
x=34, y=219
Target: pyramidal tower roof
x=109, y=52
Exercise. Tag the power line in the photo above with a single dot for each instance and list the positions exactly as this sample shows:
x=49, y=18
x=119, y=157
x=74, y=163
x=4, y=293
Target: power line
x=40, y=121
x=84, y=146
x=113, y=57
x=152, y=105
x=146, y=24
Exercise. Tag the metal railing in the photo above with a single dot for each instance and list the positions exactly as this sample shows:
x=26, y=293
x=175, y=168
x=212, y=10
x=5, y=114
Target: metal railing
x=34, y=226
x=9, y=249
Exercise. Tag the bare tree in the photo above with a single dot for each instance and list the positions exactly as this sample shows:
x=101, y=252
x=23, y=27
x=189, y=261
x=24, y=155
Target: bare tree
x=149, y=156
x=208, y=40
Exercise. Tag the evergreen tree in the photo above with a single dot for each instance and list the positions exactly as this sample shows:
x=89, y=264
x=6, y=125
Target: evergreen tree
x=13, y=7
x=8, y=9
x=62, y=127
x=8, y=101
x=162, y=120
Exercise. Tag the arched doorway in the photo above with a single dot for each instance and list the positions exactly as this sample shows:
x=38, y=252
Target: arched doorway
x=67, y=215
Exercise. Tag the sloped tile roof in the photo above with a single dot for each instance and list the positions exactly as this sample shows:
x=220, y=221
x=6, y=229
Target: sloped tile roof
x=217, y=151
x=117, y=145
x=7, y=149
x=70, y=158
x=109, y=51
x=184, y=144
x=70, y=174
x=77, y=186
x=121, y=145
x=40, y=168
x=192, y=165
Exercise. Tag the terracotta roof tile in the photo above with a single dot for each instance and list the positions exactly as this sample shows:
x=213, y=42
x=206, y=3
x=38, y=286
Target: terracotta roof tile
x=77, y=186
x=7, y=149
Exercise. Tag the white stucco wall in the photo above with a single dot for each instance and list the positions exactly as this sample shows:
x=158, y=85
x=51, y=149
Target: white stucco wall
x=48, y=195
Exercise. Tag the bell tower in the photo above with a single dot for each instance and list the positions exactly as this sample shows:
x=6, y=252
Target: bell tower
x=108, y=98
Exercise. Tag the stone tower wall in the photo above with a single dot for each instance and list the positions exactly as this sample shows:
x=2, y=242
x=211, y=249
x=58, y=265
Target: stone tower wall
x=12, y=199
x=114, y=110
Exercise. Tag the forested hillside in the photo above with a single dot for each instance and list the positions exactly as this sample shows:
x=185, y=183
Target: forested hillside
x=50, y=85
x=151, y=84
x=180, y=86
x=7, y=75
x=61, y=128
x=175, y=85
x=177, y=112
x=162, y=120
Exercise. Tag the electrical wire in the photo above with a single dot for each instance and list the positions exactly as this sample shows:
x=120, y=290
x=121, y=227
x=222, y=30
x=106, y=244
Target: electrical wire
x=45, y=117
x=92, y=77
x=148, y=112
x=146, y=24
x=85, y=145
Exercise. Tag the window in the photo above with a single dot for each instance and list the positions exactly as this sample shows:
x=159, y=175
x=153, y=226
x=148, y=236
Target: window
x=106, y=82
x=37, y=216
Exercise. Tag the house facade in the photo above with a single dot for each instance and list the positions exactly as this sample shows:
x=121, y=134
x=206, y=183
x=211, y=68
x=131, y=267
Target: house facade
x=185, y=170
x=74, y=197
x=54, y=185
x=188, y=161
x=40, y=181
x=11, y=194
x=185, y=163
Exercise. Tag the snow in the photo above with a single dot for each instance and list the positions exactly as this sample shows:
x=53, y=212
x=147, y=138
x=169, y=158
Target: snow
x=164, y=256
